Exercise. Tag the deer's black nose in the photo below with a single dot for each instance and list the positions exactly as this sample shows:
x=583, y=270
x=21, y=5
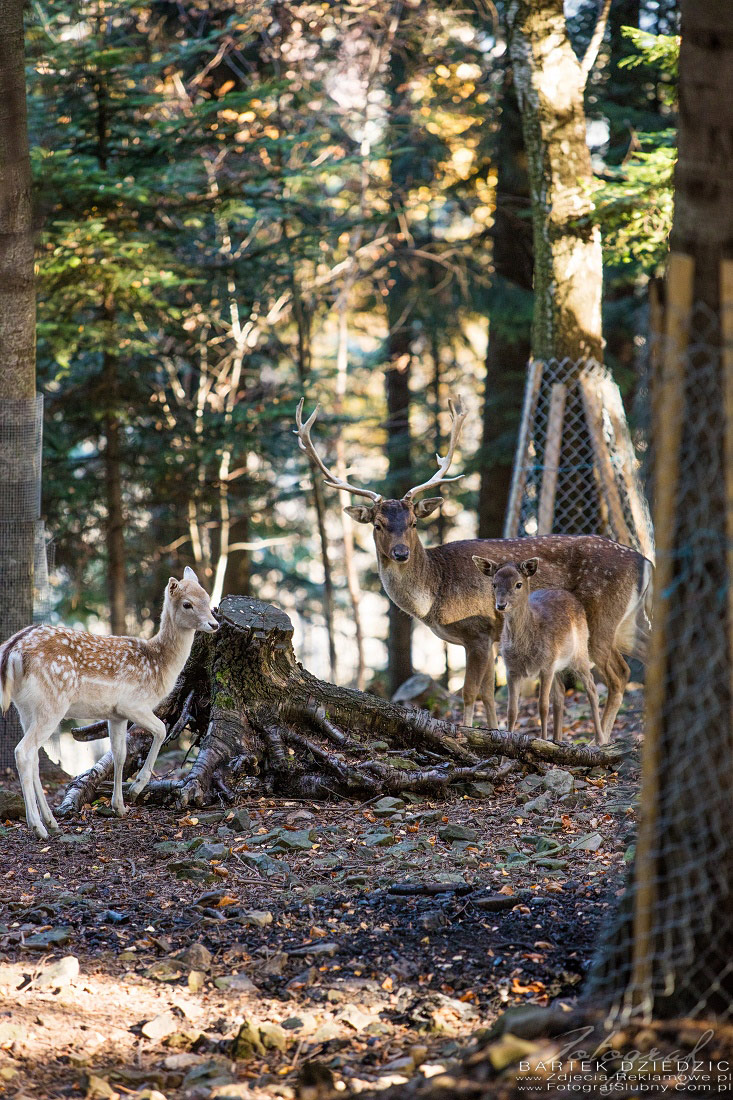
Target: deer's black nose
x=400, y=552
x=501, y=607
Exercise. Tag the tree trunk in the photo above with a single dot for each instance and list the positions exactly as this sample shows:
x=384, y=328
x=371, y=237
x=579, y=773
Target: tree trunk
x=18, y=499
x=265, y=723
x=679, y=964
x=399, y=349
x=568, y=275
x=509, y=349
x=115, y=528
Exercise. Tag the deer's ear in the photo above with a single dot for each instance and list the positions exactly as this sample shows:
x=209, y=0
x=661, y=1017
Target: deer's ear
x=425, y=508
x=529, y=567
x=172, y=584
x=485, y=565
x=361, y=513
x=189, y=575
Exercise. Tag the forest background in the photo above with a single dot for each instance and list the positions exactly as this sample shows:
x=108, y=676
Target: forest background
x=238, y=204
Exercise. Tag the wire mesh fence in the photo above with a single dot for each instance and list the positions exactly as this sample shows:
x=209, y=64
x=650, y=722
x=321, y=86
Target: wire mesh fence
x=669, y=951
x=575, y=470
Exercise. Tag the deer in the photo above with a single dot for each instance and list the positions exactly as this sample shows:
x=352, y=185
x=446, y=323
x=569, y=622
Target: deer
x=52, y=672
x=544, y=633
x=440, y=586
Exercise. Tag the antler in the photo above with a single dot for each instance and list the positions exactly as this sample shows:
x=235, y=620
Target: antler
x=306, y=444
x=458, y=415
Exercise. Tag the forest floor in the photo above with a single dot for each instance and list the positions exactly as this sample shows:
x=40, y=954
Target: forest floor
x=260, y=951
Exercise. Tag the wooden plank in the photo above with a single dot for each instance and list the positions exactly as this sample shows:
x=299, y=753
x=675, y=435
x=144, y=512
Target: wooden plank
x=551, y=465
x=628, y=467
x=521, y=458
x=668, y=410
x=591, y=394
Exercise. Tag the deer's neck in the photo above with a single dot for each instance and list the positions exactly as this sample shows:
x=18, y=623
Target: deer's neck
x=519, y=626
x=170, y=649
x=412, y=586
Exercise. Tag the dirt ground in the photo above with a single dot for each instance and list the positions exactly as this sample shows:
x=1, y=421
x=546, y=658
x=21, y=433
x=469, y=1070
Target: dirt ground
x=293, y=949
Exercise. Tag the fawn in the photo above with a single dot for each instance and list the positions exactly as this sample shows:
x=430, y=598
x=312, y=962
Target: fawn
x=51, y=673
x=544, y=633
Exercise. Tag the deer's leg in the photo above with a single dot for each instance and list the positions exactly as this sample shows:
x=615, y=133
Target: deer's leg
x=546, y=681
x=488, y=687
x=584, y=671
x=144, y=717
x=477, y=658
x=118, y=738
x=45, y=810
x=514, y=683
x=615, y=672
x=558, y=707
x=26, y=760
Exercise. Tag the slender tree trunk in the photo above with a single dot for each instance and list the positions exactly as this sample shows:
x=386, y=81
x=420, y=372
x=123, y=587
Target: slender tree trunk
x=112, y=456
x=507, y=352
x=568, y=274
x=399, y=352
x=18, y=509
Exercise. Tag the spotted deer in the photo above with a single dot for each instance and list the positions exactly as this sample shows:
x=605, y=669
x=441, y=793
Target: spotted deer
x=440, y=586
x=544, y=633
x=51, y=673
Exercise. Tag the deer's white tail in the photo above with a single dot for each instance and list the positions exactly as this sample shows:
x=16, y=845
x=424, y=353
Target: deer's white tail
x=632, y=633
x=11, y=668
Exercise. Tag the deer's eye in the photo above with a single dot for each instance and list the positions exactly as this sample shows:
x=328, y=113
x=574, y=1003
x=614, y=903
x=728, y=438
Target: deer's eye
x=377, y=527
x=187, y=605
x=518, y=584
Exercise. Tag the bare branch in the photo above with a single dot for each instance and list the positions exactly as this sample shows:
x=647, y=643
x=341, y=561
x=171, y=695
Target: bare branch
x=589, y=60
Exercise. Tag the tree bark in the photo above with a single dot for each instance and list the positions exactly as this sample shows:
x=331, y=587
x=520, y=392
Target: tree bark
x=399, y=349
x=568, y=275
x=115, y=527
x=509, y=349
x=18, y=508
x=265, y=723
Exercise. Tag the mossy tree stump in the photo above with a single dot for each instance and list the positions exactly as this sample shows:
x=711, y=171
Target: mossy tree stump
x=264, y=722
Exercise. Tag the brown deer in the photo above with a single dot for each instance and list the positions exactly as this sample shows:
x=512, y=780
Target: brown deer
x=544, y=633
x=441, y=587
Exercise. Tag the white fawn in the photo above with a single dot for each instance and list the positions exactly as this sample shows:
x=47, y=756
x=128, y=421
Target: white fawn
x=51, y=673
x=544, y=633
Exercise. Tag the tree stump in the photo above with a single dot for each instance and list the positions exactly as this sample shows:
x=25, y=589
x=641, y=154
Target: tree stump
x=263, y=722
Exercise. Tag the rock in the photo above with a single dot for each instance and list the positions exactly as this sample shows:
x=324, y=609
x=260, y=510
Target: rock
x=258, y=918
x=275, y=965
x=292, y=1023
x=183, y=1061
x=538, y=805
x=273, y=1036
x=590, y=843
x=558, y=782
x=59, y=974
x=422, y=690
x=508, y=1050
x=99, y=1089
x=196, y=957
x=480, y=788
x=299, y=839
x=236, y=983
x=304, y=979
x=73, y=838
x=328, y=1030
x=213, y=850
x=248, y=1042
x=165, y=1023
x=355, y=1017
x=12, y=806
x=529, y=784
x=52, y=937
x=315, y=949
x=166, y=970
x=387, y=806
x=380, y=839
x=196, y=980
x=451, y=832
x=431, y=922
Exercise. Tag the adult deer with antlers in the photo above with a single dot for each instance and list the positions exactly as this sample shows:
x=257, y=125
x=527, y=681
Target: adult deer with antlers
x=441, y=587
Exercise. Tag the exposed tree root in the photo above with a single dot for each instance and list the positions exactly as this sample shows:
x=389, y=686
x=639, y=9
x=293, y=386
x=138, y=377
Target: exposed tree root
x=261, y=719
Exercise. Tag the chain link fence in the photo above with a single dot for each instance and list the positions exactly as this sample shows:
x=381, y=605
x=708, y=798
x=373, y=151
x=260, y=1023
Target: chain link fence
x=575, y=470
